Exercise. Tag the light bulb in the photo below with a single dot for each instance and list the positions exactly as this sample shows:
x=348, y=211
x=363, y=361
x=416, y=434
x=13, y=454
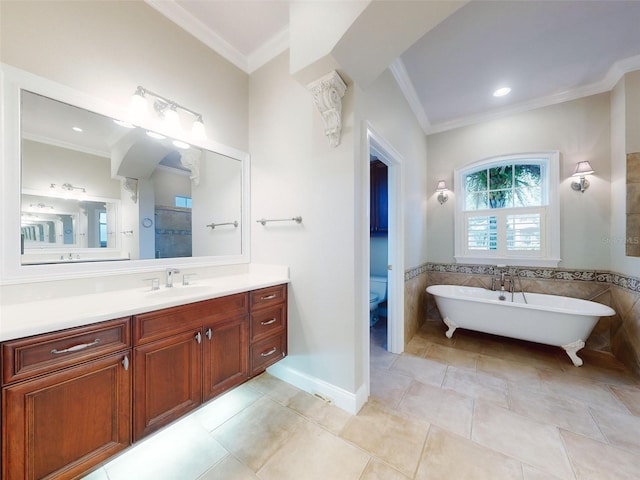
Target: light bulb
x=198, y=129
x=138, y=107
x=171, y=119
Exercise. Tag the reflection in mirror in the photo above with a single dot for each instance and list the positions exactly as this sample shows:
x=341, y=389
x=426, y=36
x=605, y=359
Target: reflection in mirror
x=94, y=189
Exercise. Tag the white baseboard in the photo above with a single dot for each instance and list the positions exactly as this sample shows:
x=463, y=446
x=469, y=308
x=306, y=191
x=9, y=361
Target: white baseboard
x=347, y=401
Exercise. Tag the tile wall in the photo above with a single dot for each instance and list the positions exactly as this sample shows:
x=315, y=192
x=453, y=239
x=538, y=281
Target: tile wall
x=633, y=204
x=619, y=334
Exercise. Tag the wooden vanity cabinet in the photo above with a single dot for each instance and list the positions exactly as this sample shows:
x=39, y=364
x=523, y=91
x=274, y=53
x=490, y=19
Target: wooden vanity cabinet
x=72, y=399
x=66, y=401
x=186, y=355
x=268, y=327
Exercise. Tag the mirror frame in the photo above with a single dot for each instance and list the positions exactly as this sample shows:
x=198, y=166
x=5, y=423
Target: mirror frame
x=12, y=82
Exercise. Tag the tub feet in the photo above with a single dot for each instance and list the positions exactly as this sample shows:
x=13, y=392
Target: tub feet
x=572, y=350
x=452, y=326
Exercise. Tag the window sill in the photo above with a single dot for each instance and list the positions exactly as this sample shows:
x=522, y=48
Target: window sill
x=519, y=261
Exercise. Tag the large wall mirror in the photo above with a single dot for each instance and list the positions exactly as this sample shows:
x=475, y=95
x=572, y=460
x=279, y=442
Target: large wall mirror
x=95, y=191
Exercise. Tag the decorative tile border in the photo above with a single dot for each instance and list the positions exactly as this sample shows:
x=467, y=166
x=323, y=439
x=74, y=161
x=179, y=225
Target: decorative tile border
x=612, y=278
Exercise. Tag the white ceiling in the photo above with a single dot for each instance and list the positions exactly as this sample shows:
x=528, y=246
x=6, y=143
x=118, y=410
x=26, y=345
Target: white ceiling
x=546, y=51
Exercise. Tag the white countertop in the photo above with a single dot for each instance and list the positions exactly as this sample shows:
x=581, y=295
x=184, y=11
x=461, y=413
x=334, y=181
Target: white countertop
x=31, y=318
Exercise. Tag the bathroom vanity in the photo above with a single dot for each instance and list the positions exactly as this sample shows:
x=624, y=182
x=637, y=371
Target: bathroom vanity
x=73, y=398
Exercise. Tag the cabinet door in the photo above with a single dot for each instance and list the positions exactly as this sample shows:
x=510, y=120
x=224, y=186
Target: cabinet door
x=226, y=356
x=379, y=210
x=167, y=381
x=62, y=424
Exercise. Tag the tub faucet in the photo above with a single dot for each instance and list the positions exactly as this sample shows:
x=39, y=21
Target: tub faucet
x=170, y=272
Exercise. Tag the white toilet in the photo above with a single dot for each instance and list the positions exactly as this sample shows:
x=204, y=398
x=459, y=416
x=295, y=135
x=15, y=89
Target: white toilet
x=377, y=295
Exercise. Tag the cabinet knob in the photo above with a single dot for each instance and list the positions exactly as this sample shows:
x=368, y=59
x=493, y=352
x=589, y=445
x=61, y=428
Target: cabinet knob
x=125, y=362
x=199, y=337
x=208, y=333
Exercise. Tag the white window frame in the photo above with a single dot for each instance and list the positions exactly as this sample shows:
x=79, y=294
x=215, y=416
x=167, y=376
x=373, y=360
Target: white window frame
x=550, y=228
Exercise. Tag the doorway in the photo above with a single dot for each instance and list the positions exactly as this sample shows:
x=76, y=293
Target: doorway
x=382, y=151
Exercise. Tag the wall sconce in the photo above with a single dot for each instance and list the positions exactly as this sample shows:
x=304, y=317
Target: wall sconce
x=442, y=190
x=166, y=109
x=582, y=169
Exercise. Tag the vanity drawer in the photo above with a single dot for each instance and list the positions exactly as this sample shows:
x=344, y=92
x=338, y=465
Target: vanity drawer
x=29, y=357
x=152, y=326
x=267, y=352
x=266, y=297
x=268, y=321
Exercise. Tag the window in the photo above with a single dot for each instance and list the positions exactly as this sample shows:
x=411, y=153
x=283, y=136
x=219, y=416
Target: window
x=507, y=210
x=183, y=202
x=102, y=228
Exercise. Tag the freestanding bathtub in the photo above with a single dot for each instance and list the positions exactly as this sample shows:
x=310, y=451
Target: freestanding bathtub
x=550, y=319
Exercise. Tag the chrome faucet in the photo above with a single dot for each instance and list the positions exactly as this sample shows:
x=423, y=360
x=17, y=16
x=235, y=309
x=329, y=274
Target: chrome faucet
x=170, y=272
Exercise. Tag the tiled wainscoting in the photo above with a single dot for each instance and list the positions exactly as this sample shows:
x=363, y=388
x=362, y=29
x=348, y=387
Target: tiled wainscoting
x=619, y=334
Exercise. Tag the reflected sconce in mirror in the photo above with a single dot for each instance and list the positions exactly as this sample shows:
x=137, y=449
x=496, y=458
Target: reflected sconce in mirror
x=167, y=110
x=442, y=190
x=582, y=170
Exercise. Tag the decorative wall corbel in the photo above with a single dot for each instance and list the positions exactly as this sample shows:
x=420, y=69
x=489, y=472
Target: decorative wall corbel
x=327, y=94
x=191, y=160
x=131, y=186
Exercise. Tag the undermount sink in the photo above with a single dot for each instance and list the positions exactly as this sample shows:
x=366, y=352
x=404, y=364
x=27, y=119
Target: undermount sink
x=179, y=291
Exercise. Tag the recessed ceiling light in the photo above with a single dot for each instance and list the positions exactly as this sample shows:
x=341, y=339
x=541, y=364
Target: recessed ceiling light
x=76, y=129
x=501, y=92
x=155, y=135
x=124, y=124
x=181, y=145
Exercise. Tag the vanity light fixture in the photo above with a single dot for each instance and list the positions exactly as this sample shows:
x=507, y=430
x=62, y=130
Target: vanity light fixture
x=41, y=206
x=582, y=169
x=442, y=190
x=166, y=109
x=67, y=189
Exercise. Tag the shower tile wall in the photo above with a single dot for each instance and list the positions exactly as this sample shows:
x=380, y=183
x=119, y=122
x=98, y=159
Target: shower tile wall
x=619, y=334
x=173, y=232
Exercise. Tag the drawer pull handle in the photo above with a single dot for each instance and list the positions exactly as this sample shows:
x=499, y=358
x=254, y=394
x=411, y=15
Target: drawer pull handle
x=75, y=348
x=269, y=297
x=270, y=352
x=270, y=322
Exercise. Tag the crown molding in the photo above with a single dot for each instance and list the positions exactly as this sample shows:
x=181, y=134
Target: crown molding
x=247, y=63
x=406, y=86
x=269, y=50
x=195, y=27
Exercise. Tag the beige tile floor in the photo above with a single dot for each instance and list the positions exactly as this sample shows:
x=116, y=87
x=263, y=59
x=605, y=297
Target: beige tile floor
x=473, y=407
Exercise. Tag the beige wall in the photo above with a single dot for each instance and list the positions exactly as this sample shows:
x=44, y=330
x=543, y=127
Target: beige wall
x=108, y=48
x=579, y=129
x=383, y=106
x=294, y=172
